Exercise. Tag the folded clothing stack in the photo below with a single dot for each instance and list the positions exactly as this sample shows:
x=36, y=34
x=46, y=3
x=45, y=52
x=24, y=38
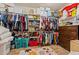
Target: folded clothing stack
x=3, y=30
x=5, y=35
x=5, y=39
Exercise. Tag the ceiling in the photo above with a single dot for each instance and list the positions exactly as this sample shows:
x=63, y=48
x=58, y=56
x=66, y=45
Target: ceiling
x=53, y=6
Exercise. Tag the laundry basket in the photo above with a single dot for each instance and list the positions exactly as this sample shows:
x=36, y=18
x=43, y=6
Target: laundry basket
x=5, y=46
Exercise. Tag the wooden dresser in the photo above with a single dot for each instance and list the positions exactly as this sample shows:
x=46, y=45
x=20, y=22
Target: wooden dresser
x=67, y=33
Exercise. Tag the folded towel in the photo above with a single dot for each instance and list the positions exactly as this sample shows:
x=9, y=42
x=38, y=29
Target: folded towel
x=3, y=30
x=5, y=35
x=6, y=40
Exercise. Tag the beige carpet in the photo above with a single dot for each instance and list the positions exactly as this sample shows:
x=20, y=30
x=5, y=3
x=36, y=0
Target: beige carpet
x=46, y=50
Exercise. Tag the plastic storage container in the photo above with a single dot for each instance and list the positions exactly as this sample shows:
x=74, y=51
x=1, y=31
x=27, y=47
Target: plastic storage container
x=18, y=43
x=25, y=42
x=21, y=42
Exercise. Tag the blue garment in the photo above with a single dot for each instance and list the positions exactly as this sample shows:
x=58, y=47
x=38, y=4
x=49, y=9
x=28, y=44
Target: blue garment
x=0, y=16
x=4, y=20
x=51, y=38
x=15, y=18
x=57, y=40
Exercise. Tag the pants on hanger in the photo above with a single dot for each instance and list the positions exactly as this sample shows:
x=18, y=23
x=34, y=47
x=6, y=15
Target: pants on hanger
x=55, y=39
x=51, y=38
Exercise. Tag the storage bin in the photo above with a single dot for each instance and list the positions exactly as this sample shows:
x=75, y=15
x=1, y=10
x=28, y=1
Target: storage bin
x=33, y=43
x=21, y=42
x=5, y=46
x=18, y=43
x=25, y=42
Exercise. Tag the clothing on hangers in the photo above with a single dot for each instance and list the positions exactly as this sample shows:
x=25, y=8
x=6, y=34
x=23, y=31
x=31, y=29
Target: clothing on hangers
x=43, y=40
x=46, y=38
x=51, y=38
x=40, y=38
x=9, y=18
x=18, y=23
x=4, y=20
x=57, y=34
x=14, y=20
x=26, y=20
x=56, y=37
x=23, y=24
x=10, y=25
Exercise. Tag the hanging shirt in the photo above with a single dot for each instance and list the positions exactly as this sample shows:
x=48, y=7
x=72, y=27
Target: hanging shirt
x=23, y=23
x=17, y=17
x=40, y=38
x=4, y=18
x=43, y=40
x=26, y=21
x=12, y=18
x=51, y=25
x=9, y=17
x=46, y=37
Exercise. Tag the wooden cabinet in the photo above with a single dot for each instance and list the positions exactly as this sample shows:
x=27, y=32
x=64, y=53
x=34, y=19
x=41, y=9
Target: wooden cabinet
x=67, y=33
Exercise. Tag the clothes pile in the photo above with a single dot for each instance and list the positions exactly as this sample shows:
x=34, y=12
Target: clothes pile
x=5, y=39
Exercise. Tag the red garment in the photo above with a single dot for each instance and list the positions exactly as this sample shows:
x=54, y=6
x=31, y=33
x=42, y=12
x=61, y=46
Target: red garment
x=56, y=34
x=23, y=24
x=33, y=43
x=40, y=38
